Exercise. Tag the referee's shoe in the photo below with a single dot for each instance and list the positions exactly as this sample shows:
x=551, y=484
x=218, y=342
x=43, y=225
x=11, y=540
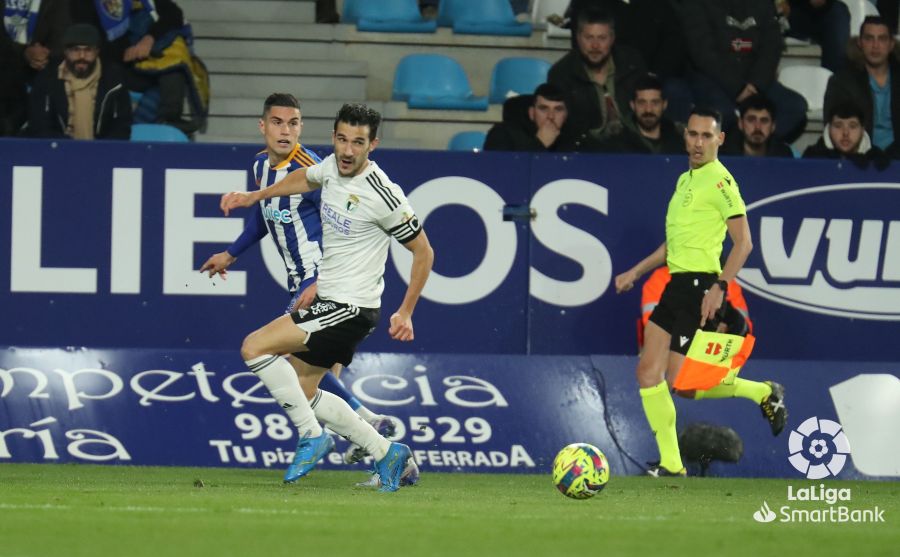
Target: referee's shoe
x=773, y=408
x=657, y=471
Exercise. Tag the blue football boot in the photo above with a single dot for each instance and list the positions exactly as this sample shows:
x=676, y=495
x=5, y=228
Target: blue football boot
x=310, y=450
x=390, y=468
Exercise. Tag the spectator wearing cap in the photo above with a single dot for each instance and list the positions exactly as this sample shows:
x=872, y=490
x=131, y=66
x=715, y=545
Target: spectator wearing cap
x=533, y=123
x=755, y=134
x=81, y=98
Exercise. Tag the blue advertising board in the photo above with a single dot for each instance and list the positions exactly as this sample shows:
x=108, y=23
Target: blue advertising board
x=100, y=245
x=470, y=413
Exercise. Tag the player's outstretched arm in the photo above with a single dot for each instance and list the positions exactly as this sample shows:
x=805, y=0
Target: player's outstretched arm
x=423, y=258
x=293, y=183
x=625, y=281
x=218, y=264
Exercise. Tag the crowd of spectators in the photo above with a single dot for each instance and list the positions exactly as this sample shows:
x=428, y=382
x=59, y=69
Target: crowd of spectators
x=636, y=68
x=68, y=68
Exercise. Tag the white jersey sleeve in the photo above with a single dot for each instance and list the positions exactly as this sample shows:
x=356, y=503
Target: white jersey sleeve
x=314, y=173
x=395, y=215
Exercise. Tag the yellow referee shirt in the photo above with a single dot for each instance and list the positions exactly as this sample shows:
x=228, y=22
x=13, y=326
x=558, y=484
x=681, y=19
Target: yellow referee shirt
x=704, y=199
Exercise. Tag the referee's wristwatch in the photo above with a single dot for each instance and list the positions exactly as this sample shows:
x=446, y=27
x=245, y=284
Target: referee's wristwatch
x=723, y=285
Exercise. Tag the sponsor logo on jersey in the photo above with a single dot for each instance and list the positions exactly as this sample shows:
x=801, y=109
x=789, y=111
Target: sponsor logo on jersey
x=352, y=203
x=830, y=262
x=277, y=215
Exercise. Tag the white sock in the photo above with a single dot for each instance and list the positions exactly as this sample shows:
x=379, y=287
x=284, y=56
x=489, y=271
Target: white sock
x=280, y=378
x=366, y=414
x=338, y=416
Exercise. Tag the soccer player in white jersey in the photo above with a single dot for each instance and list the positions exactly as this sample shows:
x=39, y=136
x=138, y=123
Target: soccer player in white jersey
x=361, y=210
x=294, y=224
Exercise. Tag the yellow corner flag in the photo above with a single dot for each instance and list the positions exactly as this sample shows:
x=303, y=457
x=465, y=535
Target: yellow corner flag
x=712, y=358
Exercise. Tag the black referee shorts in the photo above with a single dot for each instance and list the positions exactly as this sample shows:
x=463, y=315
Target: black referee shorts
x=678, y=311
x=335, y=329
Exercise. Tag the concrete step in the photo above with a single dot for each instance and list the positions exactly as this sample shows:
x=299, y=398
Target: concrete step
x=314, y=108
x=322, y=144
x=267, y=49
x=305, y=87
x=211, y=28
x=294, y=67
x=255, y=11
x=247, y=126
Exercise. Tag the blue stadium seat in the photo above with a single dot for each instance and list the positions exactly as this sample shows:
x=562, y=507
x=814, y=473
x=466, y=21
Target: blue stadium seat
x=387, y=16
x=157, y=132
x=517, y=75
x=434, y=81
x=467, y=141
x=481, y=17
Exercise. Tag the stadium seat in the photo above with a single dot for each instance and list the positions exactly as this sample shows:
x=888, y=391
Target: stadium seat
x=542, y=8
x=467, y=141
x=482, y=17
x=387, y=16
x=157, y=132
x=516, y=76
x=434, y=81
x=809, y=81
x=859, y=9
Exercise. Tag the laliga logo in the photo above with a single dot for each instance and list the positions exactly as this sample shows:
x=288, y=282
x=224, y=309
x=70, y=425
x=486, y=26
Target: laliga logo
x=818, y=448
x=856, y=259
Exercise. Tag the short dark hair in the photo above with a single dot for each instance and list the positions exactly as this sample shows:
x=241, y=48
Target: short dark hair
x=280, y=99
x=550, y=92
x=358, y=114
x=592, y=15
x=646, y=82
x=756, y=102
x=876, y=20
x=707, y=112
x=847, y=110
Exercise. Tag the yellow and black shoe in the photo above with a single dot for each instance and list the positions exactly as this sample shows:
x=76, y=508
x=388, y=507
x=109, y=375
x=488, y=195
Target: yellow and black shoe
x=657, y=471
x=773, y=408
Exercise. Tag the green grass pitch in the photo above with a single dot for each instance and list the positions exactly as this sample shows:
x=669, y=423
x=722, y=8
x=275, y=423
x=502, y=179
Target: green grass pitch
x=97, y=511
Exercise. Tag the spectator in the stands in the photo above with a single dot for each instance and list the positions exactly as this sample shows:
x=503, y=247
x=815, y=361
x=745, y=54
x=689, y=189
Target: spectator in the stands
x=36, y=28
x=827, y=22
x=532, y=123
x=152, y=41
x=890, y=11
x=651, y=131
x=653, y=28
x=597, y=76
x=873, y=84
x=735, y=48
x=82, y=98
x=845, y=137
x=755, y=134
x=13, y=98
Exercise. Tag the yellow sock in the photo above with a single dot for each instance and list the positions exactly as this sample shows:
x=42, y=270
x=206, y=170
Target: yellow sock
x=660, y=411
x=741, y=388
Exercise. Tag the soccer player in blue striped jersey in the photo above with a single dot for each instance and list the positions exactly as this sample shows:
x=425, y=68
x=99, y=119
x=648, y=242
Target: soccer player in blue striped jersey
x=294, y=224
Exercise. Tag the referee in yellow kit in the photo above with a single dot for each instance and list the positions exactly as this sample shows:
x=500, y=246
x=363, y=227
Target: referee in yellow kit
x=705, y=204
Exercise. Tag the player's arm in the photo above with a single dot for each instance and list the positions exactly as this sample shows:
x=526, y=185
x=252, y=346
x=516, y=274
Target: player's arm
x=625, y=281
x=423, y=258
x=739, y=231
x=294, y=183
x=253, y=232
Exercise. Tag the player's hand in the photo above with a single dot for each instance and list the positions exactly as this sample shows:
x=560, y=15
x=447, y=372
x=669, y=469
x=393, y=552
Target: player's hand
x=712, y=303
x=235, y=199
x=218, y=264
x=305, y=299
x=625, y=281
x=401, y=327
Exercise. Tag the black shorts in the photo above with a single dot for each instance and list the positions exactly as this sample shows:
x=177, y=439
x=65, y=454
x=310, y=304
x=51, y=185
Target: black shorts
x=678, y=311
x=335, y=329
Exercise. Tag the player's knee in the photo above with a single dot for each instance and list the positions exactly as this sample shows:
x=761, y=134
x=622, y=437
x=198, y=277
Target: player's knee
x=648, y=375
x=251, y=348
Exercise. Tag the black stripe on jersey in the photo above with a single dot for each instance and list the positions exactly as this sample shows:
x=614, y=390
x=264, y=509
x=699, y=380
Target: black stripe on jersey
x=387, y=189
x=406, y=231
x=381, y=193
x=304, y=159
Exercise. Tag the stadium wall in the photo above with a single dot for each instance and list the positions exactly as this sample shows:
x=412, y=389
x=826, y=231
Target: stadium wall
x=103, y=241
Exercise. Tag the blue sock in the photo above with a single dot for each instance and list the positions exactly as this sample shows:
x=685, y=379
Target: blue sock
x=333, y=385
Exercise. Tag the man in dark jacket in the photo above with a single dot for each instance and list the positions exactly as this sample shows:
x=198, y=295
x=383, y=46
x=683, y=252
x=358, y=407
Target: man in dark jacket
x=735, y=47
x=532, y=123
x=13, y=98
x=845, y=137
x=651, y=131
x=36, y=29
x=81, y=98
x=873, y=85
x=755, y=134
x=598, y=76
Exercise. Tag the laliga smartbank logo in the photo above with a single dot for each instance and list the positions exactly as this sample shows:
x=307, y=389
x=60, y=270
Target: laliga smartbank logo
x=830, y=262
x=818, y=449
